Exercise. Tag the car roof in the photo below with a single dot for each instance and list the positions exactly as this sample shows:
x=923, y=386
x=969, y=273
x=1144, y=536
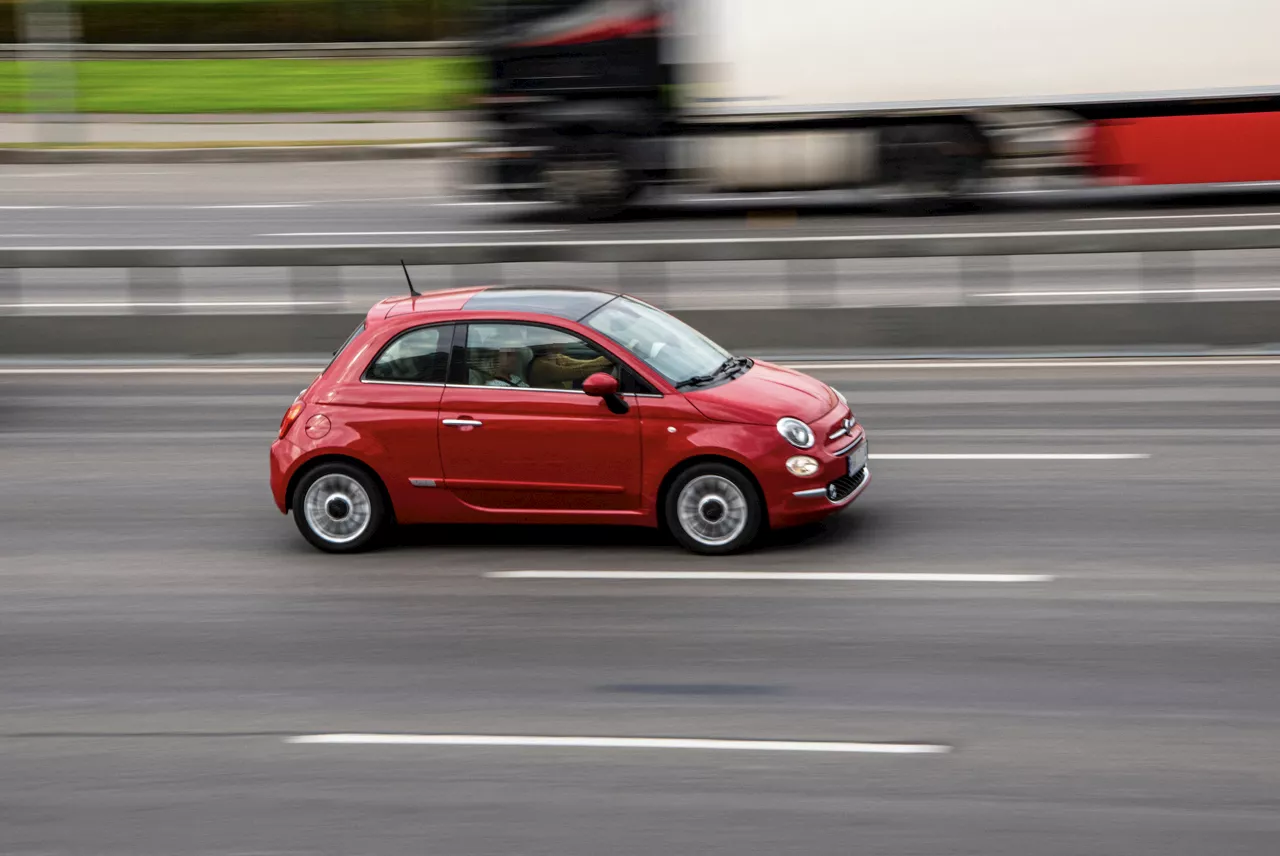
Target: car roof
x=573, y=304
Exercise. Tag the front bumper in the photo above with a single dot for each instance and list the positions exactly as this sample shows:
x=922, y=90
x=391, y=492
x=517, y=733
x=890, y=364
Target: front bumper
x=823, y=495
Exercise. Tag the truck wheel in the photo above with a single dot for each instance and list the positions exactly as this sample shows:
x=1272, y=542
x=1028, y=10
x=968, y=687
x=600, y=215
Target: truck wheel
x=590, y=177
x=926, y=168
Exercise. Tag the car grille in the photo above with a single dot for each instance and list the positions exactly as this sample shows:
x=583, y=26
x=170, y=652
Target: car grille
x=840, y=489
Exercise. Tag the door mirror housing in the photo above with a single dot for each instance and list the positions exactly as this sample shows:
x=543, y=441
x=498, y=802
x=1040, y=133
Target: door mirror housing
x=601, y=385
x=605, y=386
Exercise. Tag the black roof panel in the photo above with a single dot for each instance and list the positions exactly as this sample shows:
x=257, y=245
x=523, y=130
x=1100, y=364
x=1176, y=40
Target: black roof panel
x=561, y=302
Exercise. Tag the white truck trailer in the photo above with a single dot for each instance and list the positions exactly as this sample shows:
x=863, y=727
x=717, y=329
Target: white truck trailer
x=591, y=102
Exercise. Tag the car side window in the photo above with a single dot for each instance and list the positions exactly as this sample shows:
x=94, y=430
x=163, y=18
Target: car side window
x=416, y=356
x=531, y=357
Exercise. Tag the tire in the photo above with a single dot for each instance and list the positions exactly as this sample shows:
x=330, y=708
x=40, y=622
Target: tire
x=713, y=509
x=928, y=168
x=589, y=176
x=339, y=508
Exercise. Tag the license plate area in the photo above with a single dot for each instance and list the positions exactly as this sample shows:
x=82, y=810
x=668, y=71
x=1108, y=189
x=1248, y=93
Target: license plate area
x=858, y=458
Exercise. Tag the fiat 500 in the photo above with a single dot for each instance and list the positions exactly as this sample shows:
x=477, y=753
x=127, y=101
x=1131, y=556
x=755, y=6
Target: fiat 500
x=528, y=406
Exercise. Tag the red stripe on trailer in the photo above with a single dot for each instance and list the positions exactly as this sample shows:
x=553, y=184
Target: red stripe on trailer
x=599, y=31
x=1235, y=147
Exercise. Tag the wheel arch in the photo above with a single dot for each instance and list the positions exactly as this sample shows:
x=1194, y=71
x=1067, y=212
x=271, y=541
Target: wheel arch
x=306, y=467
x=664, y=488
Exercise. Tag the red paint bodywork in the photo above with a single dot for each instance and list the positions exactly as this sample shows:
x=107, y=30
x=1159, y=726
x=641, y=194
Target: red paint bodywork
x=546, y=456
x=1228, y=148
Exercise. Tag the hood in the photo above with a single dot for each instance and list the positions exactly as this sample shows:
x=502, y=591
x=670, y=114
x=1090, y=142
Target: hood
x=764, y=395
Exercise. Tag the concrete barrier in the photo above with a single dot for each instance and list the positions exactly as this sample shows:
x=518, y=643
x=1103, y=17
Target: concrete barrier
x=1173, y=325
x=1185, y=327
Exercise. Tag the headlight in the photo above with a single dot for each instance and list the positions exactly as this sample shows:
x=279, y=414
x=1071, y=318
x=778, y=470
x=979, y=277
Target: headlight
x=803, y=466
x=796, y=432
x=840, y=395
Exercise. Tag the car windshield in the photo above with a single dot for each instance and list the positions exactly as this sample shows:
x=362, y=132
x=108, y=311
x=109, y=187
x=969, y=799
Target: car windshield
x=670, y=347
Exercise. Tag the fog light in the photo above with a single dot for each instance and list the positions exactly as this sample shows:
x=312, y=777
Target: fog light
x=803, y=466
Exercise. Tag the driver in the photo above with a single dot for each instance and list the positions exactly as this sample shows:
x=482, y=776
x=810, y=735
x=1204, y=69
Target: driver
x=554, y=369
x=508, y=370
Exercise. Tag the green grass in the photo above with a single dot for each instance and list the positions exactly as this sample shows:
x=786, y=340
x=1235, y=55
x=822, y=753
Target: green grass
x=255, y=85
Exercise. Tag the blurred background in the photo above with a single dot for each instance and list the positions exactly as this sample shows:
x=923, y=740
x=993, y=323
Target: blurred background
x=1036, y=245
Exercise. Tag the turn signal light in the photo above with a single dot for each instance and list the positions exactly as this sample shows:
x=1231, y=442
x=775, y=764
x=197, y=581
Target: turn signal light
x=290, y=416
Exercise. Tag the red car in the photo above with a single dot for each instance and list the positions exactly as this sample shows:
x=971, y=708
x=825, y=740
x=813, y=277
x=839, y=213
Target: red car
x=520, y=405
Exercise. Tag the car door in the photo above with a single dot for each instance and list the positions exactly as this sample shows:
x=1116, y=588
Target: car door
x=517, y=432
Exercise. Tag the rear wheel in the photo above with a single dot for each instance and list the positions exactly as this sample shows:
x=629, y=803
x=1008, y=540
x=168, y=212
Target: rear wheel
x=339, y=508
x=714, y=509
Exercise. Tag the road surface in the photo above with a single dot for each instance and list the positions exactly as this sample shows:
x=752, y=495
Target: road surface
x=1105, y=681
x=418, y=202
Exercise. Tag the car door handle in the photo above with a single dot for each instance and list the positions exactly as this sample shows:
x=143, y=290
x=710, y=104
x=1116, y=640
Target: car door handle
x=462, y=423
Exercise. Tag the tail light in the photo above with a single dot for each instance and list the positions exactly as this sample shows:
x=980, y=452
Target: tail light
x=290, y=416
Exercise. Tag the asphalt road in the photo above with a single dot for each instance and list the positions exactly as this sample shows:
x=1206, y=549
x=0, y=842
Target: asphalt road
x=419, y=202
x=165, y=631
x=423, y=201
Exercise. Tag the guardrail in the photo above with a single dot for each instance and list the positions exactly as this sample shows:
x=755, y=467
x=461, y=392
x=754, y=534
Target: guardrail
x=813, y=318
x=351, y=50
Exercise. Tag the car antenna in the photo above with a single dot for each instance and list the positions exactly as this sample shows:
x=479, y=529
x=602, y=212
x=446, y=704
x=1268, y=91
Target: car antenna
x=413, y=292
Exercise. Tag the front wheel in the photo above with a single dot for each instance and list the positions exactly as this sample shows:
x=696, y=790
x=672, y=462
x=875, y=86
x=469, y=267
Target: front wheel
x=591, y=178
x=339, y=508
x=714, y=509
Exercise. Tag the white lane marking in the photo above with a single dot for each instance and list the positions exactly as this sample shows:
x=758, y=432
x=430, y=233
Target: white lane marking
x=198, y=304
x=8, y=175
x=523, y=741
x=159, y=370
x=717, y=241
x=1010, y=456
x=1067, y=363
x=1131, y=292
x=771, y=576
x=236, y=207
x=1175, y=217
x=495, y=203
x=1212, y=362
x=377, y=234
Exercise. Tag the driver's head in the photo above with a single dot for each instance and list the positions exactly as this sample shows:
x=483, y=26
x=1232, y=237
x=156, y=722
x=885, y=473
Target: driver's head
x=509, y=361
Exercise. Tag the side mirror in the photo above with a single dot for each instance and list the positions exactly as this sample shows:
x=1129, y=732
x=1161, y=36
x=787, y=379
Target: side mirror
x=601, y=385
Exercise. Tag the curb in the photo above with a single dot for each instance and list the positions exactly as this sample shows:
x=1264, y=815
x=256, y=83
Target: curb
x=233, y=154
x=1184, y=327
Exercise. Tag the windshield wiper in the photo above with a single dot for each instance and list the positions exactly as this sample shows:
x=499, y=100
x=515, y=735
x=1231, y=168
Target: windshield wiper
x=697, y=380
x=727, y=366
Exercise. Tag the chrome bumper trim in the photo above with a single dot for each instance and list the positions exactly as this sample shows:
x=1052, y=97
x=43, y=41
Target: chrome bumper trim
x=849, y=448
x=857, y=492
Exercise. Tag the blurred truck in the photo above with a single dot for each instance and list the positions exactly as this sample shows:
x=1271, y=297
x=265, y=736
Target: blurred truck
x=591, y=102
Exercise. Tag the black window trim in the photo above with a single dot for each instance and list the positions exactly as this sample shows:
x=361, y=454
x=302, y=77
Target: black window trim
x=451, y=348
x=457, y=375
x=355, y=334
